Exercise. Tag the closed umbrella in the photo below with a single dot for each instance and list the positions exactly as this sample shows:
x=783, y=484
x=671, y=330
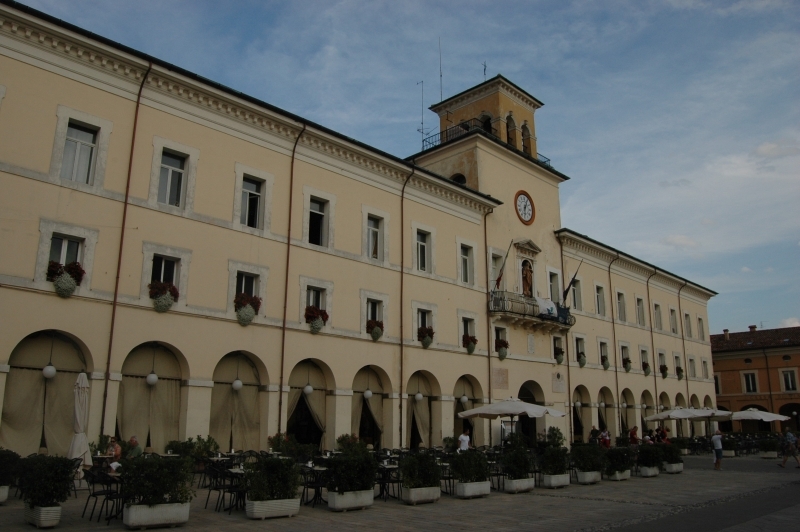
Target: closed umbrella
x=79, y=448
x=758, y=415
x=510, y=407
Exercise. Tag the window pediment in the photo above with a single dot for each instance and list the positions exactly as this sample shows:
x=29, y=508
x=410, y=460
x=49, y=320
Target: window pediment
x=526, y=247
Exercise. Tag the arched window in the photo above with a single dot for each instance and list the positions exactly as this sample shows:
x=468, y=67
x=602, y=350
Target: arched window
x=486, y=124
x=459, y=178
x=526, y=139
x=511, y=132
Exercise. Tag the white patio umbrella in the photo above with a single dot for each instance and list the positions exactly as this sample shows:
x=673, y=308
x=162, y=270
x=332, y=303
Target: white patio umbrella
x=758, y=415
x=510, y=407
x=79, y=448
x=678, y=413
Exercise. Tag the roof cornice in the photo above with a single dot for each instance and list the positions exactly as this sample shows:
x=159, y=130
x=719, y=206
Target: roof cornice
x=496, y=84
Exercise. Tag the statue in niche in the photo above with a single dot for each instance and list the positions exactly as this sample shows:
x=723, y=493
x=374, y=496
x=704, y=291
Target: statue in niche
x=527, y=279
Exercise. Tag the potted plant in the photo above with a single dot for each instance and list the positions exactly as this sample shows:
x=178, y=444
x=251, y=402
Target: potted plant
x=664, y=370
x=316, y=318
x=729, y=446
x=375, y=329
x=588, y=460
x=246, y=307
x=449, y=443
x=351, y=478
x=422, y=478
x=425, y=335
x=558, y=353
x=65, y=278
x=672, y=461
x=471, y=470
x=9, y=460
x=626, y=364
x=554, y=468
x=48, y=482
x=271, y=485
x=682, y=444
x=679, y=372
x=604, y=362
x=469, y=342
x=516, y=462
x=646, y=369
x=618, y=463
x=158, y=491
x=649, y=460
x=582, y=359
x=768, y=448
x=501, y=346
x=164, y=295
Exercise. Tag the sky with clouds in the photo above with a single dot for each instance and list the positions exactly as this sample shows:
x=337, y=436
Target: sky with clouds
x=677, y=120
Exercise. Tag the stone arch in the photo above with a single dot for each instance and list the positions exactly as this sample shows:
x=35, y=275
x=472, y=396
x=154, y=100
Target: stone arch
x=467, y=386
x=792, y=410
x=648, y=407
x=421, y=387
x=526, y=139
x=531, y=392
x=459, y=178
x=238, y=415
x=696, y=428
x=307, y=413
x=708, y=402
x=581, y=413
x=682, y=426
x=371, y=415
x=628, y=410
x=511, y=131
x=37, y=413
x=486, y=122
x=606, y=412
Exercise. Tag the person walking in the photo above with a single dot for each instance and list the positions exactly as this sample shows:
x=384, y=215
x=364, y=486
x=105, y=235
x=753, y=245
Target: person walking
x=789, y=448
x=716, y=441
x=464, y=442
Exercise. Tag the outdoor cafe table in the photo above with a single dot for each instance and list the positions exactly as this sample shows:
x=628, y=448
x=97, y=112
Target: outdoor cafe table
x=385, y=471
x=318, y=475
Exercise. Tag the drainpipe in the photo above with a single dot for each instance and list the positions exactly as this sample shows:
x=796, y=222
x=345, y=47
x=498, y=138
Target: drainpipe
x=566, y=351
x=286, y=278
x=107, y=375
x=488, y=317
x=652, y=336
x=614, y=337
x=402, y=308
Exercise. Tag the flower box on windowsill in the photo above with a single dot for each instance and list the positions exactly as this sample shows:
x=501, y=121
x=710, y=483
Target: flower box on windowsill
x=375, y=329
x=246, y=307
x=164, y=295
x=316, y=318
x=65, y=279
x=425, y=335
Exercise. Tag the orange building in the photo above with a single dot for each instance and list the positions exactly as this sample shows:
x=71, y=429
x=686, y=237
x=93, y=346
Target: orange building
x=757, y=369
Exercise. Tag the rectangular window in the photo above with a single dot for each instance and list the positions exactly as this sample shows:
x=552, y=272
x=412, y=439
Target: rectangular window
x=374, y=310
x=314, y=297
x=467, y=327
x=750, y=383
x=422, y=251
x=577, y=302
x=499, y=334
x=251, y=203
x=673, y=321
x=692, y=369
x=624, y=352
x=316, y=222
x=466, y=264
x=163, y=270
x=170, y=184
x=701, y=329
x=64, y=250
x=716, y=384
x=687, y=325
x=424, y=318
x=79, y=153
x=603, y=350
x=705, y=369
x=643, y=358
x=662, y=359
x=789, y=381
x=246, y=283
x=497, y=263
x=374, y=244
x=600, y=300
x=677, y=360
x=557, y=346
x=555, y=288
x=621, y=307
x=580, y=347
x=657, y=317
x=640, y=311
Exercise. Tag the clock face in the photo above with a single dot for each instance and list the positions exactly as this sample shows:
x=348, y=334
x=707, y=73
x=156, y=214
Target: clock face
x=524, y=206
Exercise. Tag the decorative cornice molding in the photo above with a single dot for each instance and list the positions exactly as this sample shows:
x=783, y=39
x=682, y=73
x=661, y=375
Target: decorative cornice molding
x=499, y=85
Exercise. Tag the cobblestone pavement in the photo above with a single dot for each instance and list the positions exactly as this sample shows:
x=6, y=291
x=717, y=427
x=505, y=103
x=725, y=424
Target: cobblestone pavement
x=750, y=494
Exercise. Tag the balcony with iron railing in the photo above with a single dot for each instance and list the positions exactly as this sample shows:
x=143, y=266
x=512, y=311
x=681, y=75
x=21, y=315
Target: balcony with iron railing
x=526, y=312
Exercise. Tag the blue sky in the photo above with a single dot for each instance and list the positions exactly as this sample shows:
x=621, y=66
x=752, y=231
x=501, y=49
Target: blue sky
x=678, y=120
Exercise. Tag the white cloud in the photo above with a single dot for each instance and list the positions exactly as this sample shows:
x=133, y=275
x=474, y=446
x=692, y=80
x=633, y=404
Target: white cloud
x=780, y=148
x=680, y=241
x=745, y=269
x=790, y=322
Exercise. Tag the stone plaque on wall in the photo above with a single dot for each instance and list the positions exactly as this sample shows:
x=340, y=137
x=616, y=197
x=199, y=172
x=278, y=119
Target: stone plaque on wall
x=531, y=344
x=559, y=383
x=500, y=379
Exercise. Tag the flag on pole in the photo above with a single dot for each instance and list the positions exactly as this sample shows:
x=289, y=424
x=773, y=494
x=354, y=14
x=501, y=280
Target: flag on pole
x=572, y=282
x=502, y=267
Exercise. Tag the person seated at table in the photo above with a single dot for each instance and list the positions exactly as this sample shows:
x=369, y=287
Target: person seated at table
x=464, y=442
x=114, y=451
x=633, y=436
x=136, y=449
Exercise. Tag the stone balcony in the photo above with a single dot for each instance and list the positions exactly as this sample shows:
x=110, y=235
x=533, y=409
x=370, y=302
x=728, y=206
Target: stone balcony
x=525, y=312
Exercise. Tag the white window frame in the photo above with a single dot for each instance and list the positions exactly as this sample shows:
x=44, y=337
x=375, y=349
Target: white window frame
x=658, y=318
x=430, y=249
x=687, y=324
x=471, y=276
x=704, y=365
x=743, y=374
x=192, y=156
x=103, y=130
x=181, y=255
x=88, y=238
x=327, y=299
x=329, y=223
x=383, y=235
x=676, y=359
x=383, y=299
x=692, y=369
x=661, y=355
x=579, y=339
x=674, y=324
x=577, y=296
x=641, y=318
x=416, y=306
x=622, y=306
x=793, y=371
x=644, y=353
x=502, y=336
x=262, y=275
x=597, y=308
x=701, y=328
x=622, y=348
x=600, y=342
x=67, y=238
x=267, y=181
x=557, y=273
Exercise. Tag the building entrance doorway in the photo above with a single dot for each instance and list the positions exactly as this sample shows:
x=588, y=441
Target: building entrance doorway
x=303, y=426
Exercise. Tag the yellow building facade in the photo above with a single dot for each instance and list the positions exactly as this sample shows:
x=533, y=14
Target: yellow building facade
x=150, y=176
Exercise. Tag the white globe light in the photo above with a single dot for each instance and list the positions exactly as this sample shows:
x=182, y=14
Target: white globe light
x=464, y=399
x=794, y=413
x=308, y=389
x=49, y=371
x=152, y=379
x=367, y=394
x=418, y=397
x=577, y=404
x=602, y=404
x=624, y=405
x=237, y=385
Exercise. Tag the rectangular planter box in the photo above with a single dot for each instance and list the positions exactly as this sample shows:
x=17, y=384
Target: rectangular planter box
x=648, y=472
x=350, y=500
x=43, y=517
x=142, y=516
x=555, y=481
x=764, y=454
x=416, y=496
x=519, y=485
x=468, y=490
x=276, y=508
x=673, y=468
x=3, y=494
x=588, y=477
x=619, y=475
x=728, y=454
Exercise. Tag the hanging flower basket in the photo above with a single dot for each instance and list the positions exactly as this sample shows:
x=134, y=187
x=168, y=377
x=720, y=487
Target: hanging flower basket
x=316, y=318
x=679, y=372
x=501, y=346
x=246, y=307
x=626, y=363
x=469, y=342
x=581, y=359
x=425, y=335
x=558, y=352
x=65, y=279
x=646, y=368
x=164, y=295
x=375, y=329
x=664, y=370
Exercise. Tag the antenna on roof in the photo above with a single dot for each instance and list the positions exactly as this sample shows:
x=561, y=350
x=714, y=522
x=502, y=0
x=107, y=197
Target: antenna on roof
x=484, y=71
x=441, y=91
x=422, y=111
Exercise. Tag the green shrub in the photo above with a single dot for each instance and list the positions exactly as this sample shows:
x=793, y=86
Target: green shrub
x=449, y=444
x=196, y=449
x=680, y=443
x=347, y=441
x=9, y=467
x=47, y=480
x=618, y=460
x=555, y=437
x=588, y=457
x=352, y=470
x=554, y=461
x=622, y=441
x=649, y=456
x=420, y=470
x=516, y=462
x=729, y=444
x=470, y=466
x=768, y=445
x=670, y=453
x=155, y=480
x=271, y=479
